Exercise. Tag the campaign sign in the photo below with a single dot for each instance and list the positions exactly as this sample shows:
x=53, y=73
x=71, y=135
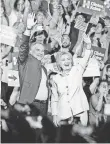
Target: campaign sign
x=94, y=19
x=81, y=26
x=107, y=109
x=92, y=68
x=80, y=23
x=15, y=60
x=99, y=53
x=8, y=35
x=13, y=78
x=91, y=6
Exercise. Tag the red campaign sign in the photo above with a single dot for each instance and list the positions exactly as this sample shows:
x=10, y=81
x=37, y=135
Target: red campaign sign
x=99, y=53
x=91, y=7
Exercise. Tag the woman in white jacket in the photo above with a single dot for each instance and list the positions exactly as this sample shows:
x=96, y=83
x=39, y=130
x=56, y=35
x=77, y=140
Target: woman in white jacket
x=68, y=98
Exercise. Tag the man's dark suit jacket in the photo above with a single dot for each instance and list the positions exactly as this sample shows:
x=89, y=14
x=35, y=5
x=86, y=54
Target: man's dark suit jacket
x=29, y=72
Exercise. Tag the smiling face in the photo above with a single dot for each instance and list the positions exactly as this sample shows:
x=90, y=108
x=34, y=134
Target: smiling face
x=37, y=51
x=20, y=5
x=66, y=62
x=65, y=41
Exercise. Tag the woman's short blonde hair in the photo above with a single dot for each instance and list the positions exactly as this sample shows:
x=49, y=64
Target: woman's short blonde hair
x=58, y=58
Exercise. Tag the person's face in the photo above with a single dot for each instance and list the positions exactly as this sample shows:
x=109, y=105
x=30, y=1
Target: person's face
x=37, y=51
x=61, y=10
x=103, y=88
x=94, y=41
x=65, y=3
x=40, y=17
x=103, y=42
x=20, y=5
x=92, y=29
x=79, y=18
x=108, y=72
x=98, y=28
x=35, y=5
x=40, y=38
x=55, y=2
x=65, y=41
x=54, y=43
x=107, y=22
x=66, y=62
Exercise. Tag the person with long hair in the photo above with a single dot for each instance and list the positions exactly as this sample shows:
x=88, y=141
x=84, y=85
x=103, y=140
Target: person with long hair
x=19, y=12
x=97, y=101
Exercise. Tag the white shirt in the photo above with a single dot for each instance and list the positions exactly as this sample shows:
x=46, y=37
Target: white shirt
x=43, y=91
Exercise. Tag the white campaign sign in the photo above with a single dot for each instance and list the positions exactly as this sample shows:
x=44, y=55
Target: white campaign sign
x=13, y=78
x=92, y=68
x=8, y=35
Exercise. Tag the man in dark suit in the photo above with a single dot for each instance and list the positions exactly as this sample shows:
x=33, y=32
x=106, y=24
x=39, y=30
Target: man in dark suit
x=31, y=72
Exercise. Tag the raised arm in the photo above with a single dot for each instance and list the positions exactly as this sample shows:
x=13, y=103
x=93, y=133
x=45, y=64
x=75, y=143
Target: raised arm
x=26, y=11
x=84, y=62
x=94, y=85
x=24, y=48
x=79, y=42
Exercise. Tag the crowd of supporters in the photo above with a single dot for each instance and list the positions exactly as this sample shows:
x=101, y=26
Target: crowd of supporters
x=63, y=93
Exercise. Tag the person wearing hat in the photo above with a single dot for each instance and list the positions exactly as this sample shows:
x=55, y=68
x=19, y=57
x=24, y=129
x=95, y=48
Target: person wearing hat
x=32, y=74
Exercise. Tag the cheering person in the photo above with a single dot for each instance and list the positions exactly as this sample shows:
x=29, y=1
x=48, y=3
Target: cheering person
x=68, y=98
